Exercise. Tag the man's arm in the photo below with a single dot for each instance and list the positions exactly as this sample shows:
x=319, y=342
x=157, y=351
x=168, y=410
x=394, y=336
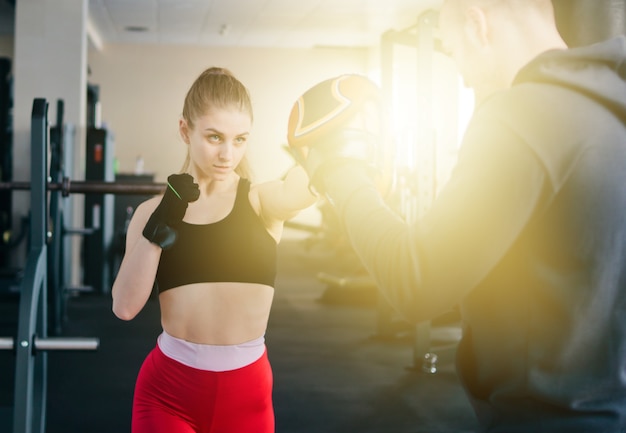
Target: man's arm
x=424, y=267
x=427, y=267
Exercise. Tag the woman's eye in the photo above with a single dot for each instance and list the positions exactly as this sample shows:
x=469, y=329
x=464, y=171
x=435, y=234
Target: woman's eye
x=240, y=140
x=214, y=138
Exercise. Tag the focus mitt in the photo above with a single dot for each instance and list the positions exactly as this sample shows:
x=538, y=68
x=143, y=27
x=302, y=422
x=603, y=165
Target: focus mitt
x=336, y=121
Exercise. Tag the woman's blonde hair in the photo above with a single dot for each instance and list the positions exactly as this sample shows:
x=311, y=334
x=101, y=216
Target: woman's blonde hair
x=217, y=88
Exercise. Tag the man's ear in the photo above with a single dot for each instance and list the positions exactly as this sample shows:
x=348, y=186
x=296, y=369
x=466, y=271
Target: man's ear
x=476, y=27
x=183, y=129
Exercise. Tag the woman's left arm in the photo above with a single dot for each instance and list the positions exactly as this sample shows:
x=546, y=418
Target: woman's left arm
x=281, y=200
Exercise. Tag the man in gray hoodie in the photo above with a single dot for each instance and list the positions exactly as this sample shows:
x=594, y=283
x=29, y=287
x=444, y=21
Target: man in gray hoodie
x=529, y=234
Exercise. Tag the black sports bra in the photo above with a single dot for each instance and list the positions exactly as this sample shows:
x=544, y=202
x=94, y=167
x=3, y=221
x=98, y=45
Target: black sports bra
x=237, y=248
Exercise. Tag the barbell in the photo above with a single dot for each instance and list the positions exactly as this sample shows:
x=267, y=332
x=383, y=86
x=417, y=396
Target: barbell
x=68, y=186
x=52, y=343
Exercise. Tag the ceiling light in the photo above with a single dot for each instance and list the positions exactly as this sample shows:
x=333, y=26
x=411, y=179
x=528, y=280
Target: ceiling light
x=136, y=29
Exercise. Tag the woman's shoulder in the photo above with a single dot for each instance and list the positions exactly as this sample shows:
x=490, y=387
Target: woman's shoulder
x=145, y=208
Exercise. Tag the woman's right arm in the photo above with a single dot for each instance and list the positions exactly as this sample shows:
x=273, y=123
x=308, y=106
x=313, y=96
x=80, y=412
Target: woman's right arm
x=135, y=279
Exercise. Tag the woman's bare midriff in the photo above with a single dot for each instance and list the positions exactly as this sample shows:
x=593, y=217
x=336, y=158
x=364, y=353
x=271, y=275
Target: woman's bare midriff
x=216, y=313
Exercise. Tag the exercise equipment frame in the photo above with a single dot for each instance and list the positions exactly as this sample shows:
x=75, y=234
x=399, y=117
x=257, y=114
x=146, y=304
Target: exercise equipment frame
x=31, y=342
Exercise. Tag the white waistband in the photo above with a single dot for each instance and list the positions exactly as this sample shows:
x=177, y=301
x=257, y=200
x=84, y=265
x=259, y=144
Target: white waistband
x=211, y=357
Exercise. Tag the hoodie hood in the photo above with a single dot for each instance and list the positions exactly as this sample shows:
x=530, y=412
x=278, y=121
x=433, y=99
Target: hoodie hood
x=598, y=71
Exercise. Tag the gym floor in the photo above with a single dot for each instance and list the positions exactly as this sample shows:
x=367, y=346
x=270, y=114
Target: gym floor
x=332, y=371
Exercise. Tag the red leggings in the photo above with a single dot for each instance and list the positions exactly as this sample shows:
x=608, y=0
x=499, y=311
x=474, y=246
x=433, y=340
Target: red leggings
x=172, y=397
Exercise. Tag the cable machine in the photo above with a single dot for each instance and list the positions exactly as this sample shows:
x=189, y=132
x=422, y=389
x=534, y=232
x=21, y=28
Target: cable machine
x=408, y=84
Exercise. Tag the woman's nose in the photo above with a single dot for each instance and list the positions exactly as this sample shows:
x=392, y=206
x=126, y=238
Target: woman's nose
x=226, y=151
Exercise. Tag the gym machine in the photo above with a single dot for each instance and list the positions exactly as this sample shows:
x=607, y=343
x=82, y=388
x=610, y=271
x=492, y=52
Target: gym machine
x=59, y=187
x=8, y=239
x=98, y=214
x=56, y=250
x=416, y=190
x=31, y=342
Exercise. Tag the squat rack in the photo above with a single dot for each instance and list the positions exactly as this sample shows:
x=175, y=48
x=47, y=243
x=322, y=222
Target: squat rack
x=31, y=342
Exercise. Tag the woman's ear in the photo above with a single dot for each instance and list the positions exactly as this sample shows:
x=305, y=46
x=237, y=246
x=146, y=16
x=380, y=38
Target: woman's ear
x=476, y=27
x=183, y=129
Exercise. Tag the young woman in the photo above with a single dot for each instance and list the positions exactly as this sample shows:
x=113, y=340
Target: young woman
x=210, y=244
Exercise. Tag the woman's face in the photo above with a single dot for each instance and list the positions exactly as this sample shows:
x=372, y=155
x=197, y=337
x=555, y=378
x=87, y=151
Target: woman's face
x=217, y=142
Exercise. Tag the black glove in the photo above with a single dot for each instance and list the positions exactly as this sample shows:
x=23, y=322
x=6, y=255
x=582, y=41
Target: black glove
x=181, y=190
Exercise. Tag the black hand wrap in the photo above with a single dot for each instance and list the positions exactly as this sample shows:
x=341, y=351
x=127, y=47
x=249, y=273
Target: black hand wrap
x=160, y=228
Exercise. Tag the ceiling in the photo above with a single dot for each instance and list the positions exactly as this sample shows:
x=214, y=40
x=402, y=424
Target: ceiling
x=251, y=23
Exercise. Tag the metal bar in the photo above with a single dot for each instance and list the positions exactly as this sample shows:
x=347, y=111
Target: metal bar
x=30, y=382
x=38, y=170
x=29, y=405
x=91, y=187
x=7, y=343
x=54, y=343
x=425, y=161
x=86, y=187
x=13, y=186
x=66, y=343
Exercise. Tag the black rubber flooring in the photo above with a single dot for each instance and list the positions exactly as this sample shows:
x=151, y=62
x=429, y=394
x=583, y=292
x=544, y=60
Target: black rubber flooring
x=332, y=370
